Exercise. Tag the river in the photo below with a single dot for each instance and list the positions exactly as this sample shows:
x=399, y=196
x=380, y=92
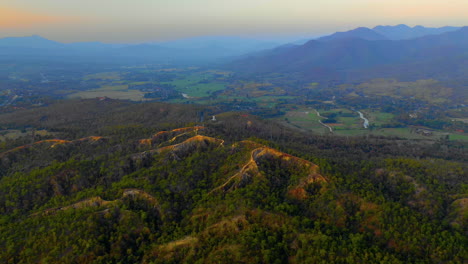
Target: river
x=366, y=121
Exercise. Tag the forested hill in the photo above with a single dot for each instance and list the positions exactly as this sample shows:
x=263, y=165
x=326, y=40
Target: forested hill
x=357, y=55
x=162, y=188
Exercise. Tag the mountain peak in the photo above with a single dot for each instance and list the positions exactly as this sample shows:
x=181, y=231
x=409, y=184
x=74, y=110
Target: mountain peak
x=360, y=32
x=34, y=41
x=402, y=31
x=402, y=26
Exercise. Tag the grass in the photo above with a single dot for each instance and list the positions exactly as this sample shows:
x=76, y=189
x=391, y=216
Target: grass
x=378, y=118
x=350, y=122
x=138, y=83
x=343, y=122
x=114, y=92
x=427, y=90
x=203, y=90
x=191, y=85
x=336, y=111
x=307, y=118
x=303, y=118
x=102, y=76
x=458, y=137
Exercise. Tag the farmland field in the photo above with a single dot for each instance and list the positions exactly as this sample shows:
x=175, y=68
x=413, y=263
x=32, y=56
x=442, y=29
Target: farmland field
x=274, y=100
x=114, y=92
x=197, y=85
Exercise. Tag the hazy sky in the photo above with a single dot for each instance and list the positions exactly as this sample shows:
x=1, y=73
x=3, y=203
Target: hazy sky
x=152, y=20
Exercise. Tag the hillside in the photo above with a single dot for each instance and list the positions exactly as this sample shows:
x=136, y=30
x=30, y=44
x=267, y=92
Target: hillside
x=351, y=58
x=238, y=190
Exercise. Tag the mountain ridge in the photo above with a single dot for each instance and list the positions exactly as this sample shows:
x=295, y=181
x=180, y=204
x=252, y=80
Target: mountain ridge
x=360, y=32
x=402, y=31
x=191, y=50
x=345, y=54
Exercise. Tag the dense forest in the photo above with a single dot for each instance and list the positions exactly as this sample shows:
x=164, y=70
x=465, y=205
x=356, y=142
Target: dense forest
x=119, y=182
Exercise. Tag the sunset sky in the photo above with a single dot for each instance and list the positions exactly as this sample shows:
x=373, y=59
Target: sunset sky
x=131, y=21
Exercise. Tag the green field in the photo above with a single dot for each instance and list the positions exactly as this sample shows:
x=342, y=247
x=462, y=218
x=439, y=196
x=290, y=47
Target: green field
x=346, y=119
x=428, y=90
x=378, y=118
x=102, y=76
x=348, y=122
x=458, y=137
x=114, y=92
x=197, y=85
x=203, y=90
x=307, y=119
x=303, y=118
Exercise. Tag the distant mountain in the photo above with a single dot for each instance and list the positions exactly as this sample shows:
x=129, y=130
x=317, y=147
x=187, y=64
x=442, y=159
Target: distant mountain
x=36, y=42
x=361, y=32
x=93, y=46
x=341, y=55
x=193, y=50
x=400, y=32
x=230, y=45
x=351, y=49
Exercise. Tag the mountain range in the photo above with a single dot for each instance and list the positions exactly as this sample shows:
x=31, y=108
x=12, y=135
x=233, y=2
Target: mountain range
x=402, y=31
x=364, y=53
x=398, y=32
x=191, y=50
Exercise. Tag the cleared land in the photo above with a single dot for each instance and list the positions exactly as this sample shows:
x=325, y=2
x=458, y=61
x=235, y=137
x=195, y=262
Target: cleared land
x=114, y=92
x=14, y=133
x=197, y=85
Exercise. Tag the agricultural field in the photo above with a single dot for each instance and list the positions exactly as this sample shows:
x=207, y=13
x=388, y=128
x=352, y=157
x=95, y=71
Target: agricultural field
x=197, y=85
x=303, y=118
x=341, y=119
x=254, y=90
x=338, y=119
x=115, y=92
x=378, y=118
x=347, y=123
x=103, y=76
x=459, y=137
x=428, y=90
x=272, y=98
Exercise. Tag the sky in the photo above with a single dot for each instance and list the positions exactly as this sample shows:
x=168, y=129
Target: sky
x=136, y=21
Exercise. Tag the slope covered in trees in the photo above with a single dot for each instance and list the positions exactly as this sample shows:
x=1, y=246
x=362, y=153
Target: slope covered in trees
x=238, y=190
